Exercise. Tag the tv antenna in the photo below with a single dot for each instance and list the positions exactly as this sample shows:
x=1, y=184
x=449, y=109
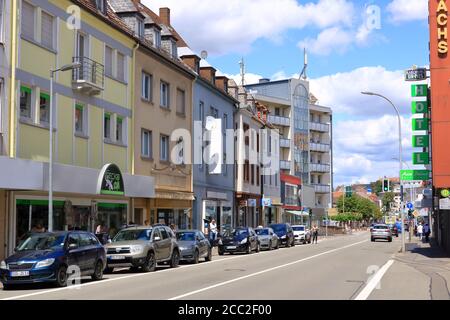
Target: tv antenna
x=204, y=54
x=242, y=66
x=305, y=65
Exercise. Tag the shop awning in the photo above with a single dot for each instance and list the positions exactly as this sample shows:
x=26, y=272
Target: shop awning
x=298, y=213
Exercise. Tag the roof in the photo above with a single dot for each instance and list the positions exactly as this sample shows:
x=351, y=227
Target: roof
x=123, y=5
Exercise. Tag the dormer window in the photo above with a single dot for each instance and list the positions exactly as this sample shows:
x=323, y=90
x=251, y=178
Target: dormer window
x=174, y=49
x=101, y=5
x=157, y=38
x=140, y=28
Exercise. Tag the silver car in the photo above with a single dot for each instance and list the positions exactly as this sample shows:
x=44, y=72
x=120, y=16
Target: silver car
x=381, y=231
x=193, y=246
x=267, y=238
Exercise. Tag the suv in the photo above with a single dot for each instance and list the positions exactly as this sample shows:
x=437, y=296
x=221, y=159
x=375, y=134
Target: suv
x=285, y=232
x=142, y=247
x=301, y=234
x=381, y=231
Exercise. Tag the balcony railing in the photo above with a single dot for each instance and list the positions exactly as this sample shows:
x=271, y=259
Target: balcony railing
x=285, y=143
x=279, y=121
x=317, y=126
x=318, y=167
x=285, y=165
x=319, y=147
x=89, y=78
x=322, y=188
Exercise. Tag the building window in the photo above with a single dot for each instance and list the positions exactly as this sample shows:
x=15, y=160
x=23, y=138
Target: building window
x=146, y=144
x=107, y=126
x=28, y=20
x=181, y=102
x=120, y=66
x=119, y=129
x=140, y=28
x=252, y=173
x=247, y=134
x=44, y=108
x=257, y=175
x=165, y=95
x=47, y=30
x=79, y=118
x=157, y=39
x=25, y=102
x=108, y=61
x=214, y=112
x=201, y=112
x=101, y=6
x=164, y=148
x=147, y=81
x=277, y=112
x=247, y=171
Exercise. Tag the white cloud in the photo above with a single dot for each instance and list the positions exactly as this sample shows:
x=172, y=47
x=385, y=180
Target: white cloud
x=342, y=91
x=408, y=10
x=329, y=40
x=225, y=26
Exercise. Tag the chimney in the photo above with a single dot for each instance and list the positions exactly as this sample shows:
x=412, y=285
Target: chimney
x=208, y=73
x=222, y=83
x=192, y=61
x=164, y=14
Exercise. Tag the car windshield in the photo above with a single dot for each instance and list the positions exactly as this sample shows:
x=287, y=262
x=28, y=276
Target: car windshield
x=299, y=228
x=262, y=232
x=42, y=242
x=185, y=236
x=235, y=232
x=381, y=227
x=132, y=235
x=278, y=227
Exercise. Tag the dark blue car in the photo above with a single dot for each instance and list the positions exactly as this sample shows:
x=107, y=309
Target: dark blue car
x=285, y=232
x=241, y=239
x=52, y=257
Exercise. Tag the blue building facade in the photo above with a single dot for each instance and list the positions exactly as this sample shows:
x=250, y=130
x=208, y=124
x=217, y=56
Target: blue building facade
x=214, y=192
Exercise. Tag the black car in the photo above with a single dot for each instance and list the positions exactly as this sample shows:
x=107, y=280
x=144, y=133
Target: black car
x=285, y=232
x=242, y=239
x=51, y=256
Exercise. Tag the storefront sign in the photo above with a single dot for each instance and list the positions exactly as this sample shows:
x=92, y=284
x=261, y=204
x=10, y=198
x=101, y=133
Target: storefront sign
x=445, y=193
x=442, y=21
x=444, y=204
x=419, y=90
x=421, y=124
x=417, y=74
x=251, y=202
x=242, y=203
x=421, y=158
x=419, y=107
x=421, y=141
x=267, y=202
x=110, y=181
x=414, y=175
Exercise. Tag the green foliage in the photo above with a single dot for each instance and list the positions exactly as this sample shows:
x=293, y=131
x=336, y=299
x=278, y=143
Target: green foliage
x=388, y=198
x=356, y=209
x=377, y=187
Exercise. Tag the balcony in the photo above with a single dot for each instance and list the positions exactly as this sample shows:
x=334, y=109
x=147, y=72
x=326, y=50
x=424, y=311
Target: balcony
x=89, y=78
x=319, y=147
x=318, y=167
x=285, y=143
x=320, y=127
x=285, y=165
x=279, y=121
x=322, y=188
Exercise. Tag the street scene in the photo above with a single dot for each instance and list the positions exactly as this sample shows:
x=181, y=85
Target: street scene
x=224, y=150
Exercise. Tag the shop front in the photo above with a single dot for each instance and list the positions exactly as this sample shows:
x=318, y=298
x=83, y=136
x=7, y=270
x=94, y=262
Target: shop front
x=248, y=210
x=271, y=208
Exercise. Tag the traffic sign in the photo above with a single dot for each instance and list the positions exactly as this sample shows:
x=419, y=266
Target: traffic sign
x=417, y=74
x=410, y=205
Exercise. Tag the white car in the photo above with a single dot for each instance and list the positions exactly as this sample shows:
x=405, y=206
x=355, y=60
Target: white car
x=301, y=234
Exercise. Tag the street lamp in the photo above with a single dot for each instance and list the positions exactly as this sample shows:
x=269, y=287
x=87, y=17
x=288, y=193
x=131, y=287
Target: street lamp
x=64, y=68
x=400, y=161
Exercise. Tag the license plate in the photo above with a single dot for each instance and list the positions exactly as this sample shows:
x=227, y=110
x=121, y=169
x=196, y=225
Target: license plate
x=117, y=257
x=20, y=273
x=231, y=247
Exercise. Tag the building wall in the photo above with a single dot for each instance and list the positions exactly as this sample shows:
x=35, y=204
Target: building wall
x=5, y=69
x=3, y=224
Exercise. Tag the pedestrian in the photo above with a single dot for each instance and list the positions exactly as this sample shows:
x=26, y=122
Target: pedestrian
x=420, y=231
x=101, y=228
x=38, y=227
x=212, y=231
x=427, y=231
x=173, y=227
x=315, y=231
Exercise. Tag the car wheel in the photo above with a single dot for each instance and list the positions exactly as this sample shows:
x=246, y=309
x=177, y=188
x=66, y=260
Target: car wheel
x=293, y=243
x=98, y=271
x=209, y=256
x=61, y=277
x=372, y=239
x=278, y=245
x=196, y=257
x=108, y=270
x=270, y=245
x=257, y=248
x=150, y=263
x=220, y=252
x=249, y=248
x=175, y=260
x=7, y=287
x=390, y=239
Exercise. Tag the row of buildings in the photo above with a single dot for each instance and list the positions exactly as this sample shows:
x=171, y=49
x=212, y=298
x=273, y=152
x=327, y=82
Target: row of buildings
x=125, y=120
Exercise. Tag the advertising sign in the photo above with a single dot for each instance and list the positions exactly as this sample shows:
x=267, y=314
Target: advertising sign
x=110, y=181
x=414, y=175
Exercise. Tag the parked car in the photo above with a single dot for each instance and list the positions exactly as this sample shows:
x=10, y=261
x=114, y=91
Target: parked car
x=381, y=231
x=394, y=230
x=267, y=238
x=142, y=248
x=46, y=257
x=242, y=239
x=301, y=234
x=193, y=246
x=285, y=232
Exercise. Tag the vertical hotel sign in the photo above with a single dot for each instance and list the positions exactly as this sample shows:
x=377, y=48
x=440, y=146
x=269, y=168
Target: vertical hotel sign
x=442, y=25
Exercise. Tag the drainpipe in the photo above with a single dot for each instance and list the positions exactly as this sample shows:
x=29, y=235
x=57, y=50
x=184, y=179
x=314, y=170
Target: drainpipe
x=133, y=72
x=12, y=108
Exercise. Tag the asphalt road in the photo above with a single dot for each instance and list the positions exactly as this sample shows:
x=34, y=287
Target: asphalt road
x=336, y=268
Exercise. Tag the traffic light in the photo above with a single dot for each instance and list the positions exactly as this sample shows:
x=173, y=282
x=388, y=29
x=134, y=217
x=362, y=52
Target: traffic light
x=386, y=187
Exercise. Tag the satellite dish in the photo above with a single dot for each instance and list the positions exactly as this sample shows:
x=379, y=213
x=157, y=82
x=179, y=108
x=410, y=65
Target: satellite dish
x=210, y=123
x=204, y=54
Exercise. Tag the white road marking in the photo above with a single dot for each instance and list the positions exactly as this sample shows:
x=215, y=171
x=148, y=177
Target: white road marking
x=264, y=271
x=365, y=293
x=148, y=274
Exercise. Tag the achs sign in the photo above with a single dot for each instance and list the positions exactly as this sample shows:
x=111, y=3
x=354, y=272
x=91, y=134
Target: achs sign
x=110, y=181
x=442, y=21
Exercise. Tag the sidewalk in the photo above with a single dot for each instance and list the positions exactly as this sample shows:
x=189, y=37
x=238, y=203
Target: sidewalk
x=421, y=273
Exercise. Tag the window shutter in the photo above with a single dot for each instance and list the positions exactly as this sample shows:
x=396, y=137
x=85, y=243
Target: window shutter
x=28, y=20
x=47, y=30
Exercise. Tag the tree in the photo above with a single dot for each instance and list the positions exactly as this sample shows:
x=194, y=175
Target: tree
x=356, y=209
x=388, y=198
x=377, y=187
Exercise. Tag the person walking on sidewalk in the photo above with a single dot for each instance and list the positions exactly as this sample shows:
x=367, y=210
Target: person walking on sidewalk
x=426, y=232
x=315, y=232
x=420, y=231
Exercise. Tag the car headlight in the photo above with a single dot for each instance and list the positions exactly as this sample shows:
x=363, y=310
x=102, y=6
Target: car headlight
x=220, y=241
x=244, y=241
x=3, y=265
x=137, y=249
x=283, y=237
x=45, y=263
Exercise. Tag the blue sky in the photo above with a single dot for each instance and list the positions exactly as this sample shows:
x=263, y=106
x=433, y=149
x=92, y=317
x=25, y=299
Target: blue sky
x=346, y=56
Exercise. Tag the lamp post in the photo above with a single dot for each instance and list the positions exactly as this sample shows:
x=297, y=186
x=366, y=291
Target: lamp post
x=400, y=161
x=50, y=165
